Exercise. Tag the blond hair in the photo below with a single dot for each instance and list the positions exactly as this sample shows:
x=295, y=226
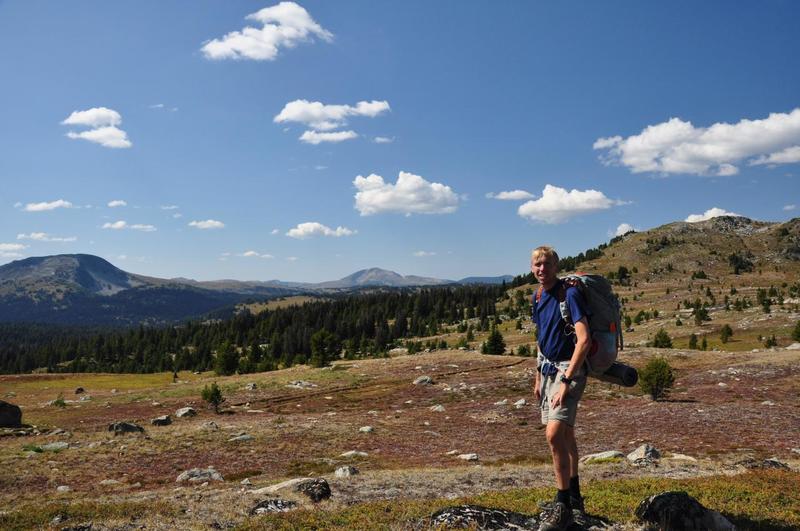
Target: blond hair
x=545, y=251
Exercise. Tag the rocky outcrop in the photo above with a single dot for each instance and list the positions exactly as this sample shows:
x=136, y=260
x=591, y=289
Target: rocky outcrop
x=476, y=516
x=125, y=427
x=10, y=415
x=163, y=420
x=199, y=475
x=316, y=489
x=272, y=505
x=677, y=510
x=185, y=412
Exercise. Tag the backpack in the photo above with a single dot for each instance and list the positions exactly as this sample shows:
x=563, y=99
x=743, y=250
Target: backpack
x=605, y=328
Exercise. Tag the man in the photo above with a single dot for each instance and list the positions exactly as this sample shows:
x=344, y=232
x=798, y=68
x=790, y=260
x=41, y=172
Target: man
x=560, y=380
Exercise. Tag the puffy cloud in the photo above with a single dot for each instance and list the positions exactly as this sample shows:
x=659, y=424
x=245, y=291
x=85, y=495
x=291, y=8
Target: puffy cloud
x=314, y=137
x=424, y=253
x=11, y=247
x=410, y=195
x=321, y=117
x=677, y=146
x=312, y=228
x=383, y=139
x=710, y=213
x=558, y=205
x=207, y=224
x=122, y=225
x=117, y=203
x=103, y=122
x=44, y=237
x=283, y=26
x=513, y=195
x=624, y=228
x=255, y=254
x=52, y=205
x=94, y=117
x=789, y=207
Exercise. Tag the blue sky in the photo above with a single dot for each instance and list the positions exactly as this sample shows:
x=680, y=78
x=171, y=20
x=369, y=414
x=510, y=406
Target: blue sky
x=329, y=137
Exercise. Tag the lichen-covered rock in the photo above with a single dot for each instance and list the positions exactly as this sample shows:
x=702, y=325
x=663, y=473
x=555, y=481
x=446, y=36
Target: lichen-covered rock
x=163, y=420
x=600, y=456
x=125, y=427
x=645, y=451
x=197, y=475
x=476, y=516
x=316, y=489
x=346, y=471
x=185, y=412
x=423, y=380
x=272, y=505
x=677, y=510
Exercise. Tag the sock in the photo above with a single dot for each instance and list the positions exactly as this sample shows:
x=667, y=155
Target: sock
x=563, y=497
x=575, y=488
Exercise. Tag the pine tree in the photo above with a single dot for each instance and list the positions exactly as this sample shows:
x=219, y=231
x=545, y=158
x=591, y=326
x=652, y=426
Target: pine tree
x=213, y=395
x=693, y=342
x=495, y=344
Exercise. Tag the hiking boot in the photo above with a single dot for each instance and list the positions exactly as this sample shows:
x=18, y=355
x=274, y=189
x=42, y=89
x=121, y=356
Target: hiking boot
x=578, y=512
x=558, y=518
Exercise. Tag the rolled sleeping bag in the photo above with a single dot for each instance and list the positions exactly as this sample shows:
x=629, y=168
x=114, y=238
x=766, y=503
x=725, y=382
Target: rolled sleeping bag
x=620, y=374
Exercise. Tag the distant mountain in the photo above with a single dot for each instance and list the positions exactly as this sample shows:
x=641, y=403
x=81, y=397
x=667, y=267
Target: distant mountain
x=86, y=289
x=486, y=280
x=379, y=277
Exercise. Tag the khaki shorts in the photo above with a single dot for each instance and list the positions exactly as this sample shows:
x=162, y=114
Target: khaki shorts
x=568, y=410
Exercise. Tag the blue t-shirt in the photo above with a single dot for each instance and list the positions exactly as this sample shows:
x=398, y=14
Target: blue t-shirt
x=554, y=343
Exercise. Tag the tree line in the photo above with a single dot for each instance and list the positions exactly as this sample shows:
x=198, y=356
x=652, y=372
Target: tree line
x=364, y=325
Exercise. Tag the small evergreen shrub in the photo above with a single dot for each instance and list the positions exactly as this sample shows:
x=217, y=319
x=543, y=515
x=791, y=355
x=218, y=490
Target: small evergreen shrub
x=213, y=395
x=656, y=378
x=662, y=339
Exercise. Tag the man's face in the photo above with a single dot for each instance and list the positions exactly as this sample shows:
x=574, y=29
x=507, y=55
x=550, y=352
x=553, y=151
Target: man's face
x=544, y=269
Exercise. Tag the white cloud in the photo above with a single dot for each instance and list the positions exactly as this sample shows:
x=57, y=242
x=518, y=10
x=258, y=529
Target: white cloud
x=786, y=156
x=275, y=231
x=52, y=205
x=624, y=228
x=11, y=247
x=312, y=228
x=255, y=254
x=103, y=123
x=169, y=207
x=513, y=195
x=321, y=117
x=314, y=137
x=94, y=117
x=558, y=205
x=283, y=26
x=177, y=215
x=710, y=213
x=44, y=237
x=677, y=146
x=410, y=195
x=117, y=203
x=207, y=224
x=424, y=253
x=789, y=207
x=292, y=259
x=157, y=106
x=122, y=225
x=383, y=139
x=320, y=167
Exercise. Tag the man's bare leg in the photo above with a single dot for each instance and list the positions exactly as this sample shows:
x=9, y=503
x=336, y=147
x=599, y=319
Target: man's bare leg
x=561, y=438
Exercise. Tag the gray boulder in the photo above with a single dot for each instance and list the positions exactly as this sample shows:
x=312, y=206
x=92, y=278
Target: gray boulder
x=645, y=451
x=423, y=380
x=55, y=446
x=199, y=475
x=185, y=412
x=163, y=420
x=10, y=415
x=316, y=489
x=346, y=471
x=476, y=516
x=125, y=427
x=600, y=456
x=677, y=510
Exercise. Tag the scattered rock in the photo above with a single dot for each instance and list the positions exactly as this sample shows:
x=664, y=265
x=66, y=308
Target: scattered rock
x=438, y=408
x=85, y=398
x=251, y=387
x=520, y=403
x=242, y=437
x=609, y=454
x=682, y=457
x=273, y=505
x=645, y=451
x=767, y=403
x=163, y=420
x=301, y=384
x=125, y=427
x=114, y=391
x=110, y=483
x=316, y=489
x=10, y=415
x=55, y=446
x=79, y=391
x=502, y=402
x=423, y=380
x=678, y=510
x=346, y=471
x=475, y=516
x=468, y=457
x=366, y=429
x=63, y=488
x=209, y=426
x=283, y=485
x=453, y=452
x=85, y=526
x=196, y=475
x=353, y=453
x=772, y=463
x=185, y=412
x=793, y=346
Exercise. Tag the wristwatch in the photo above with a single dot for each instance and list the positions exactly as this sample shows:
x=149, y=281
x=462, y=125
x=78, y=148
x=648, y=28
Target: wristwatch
x=566, y=380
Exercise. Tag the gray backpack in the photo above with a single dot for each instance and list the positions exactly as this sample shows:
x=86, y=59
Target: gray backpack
x=605, y=326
